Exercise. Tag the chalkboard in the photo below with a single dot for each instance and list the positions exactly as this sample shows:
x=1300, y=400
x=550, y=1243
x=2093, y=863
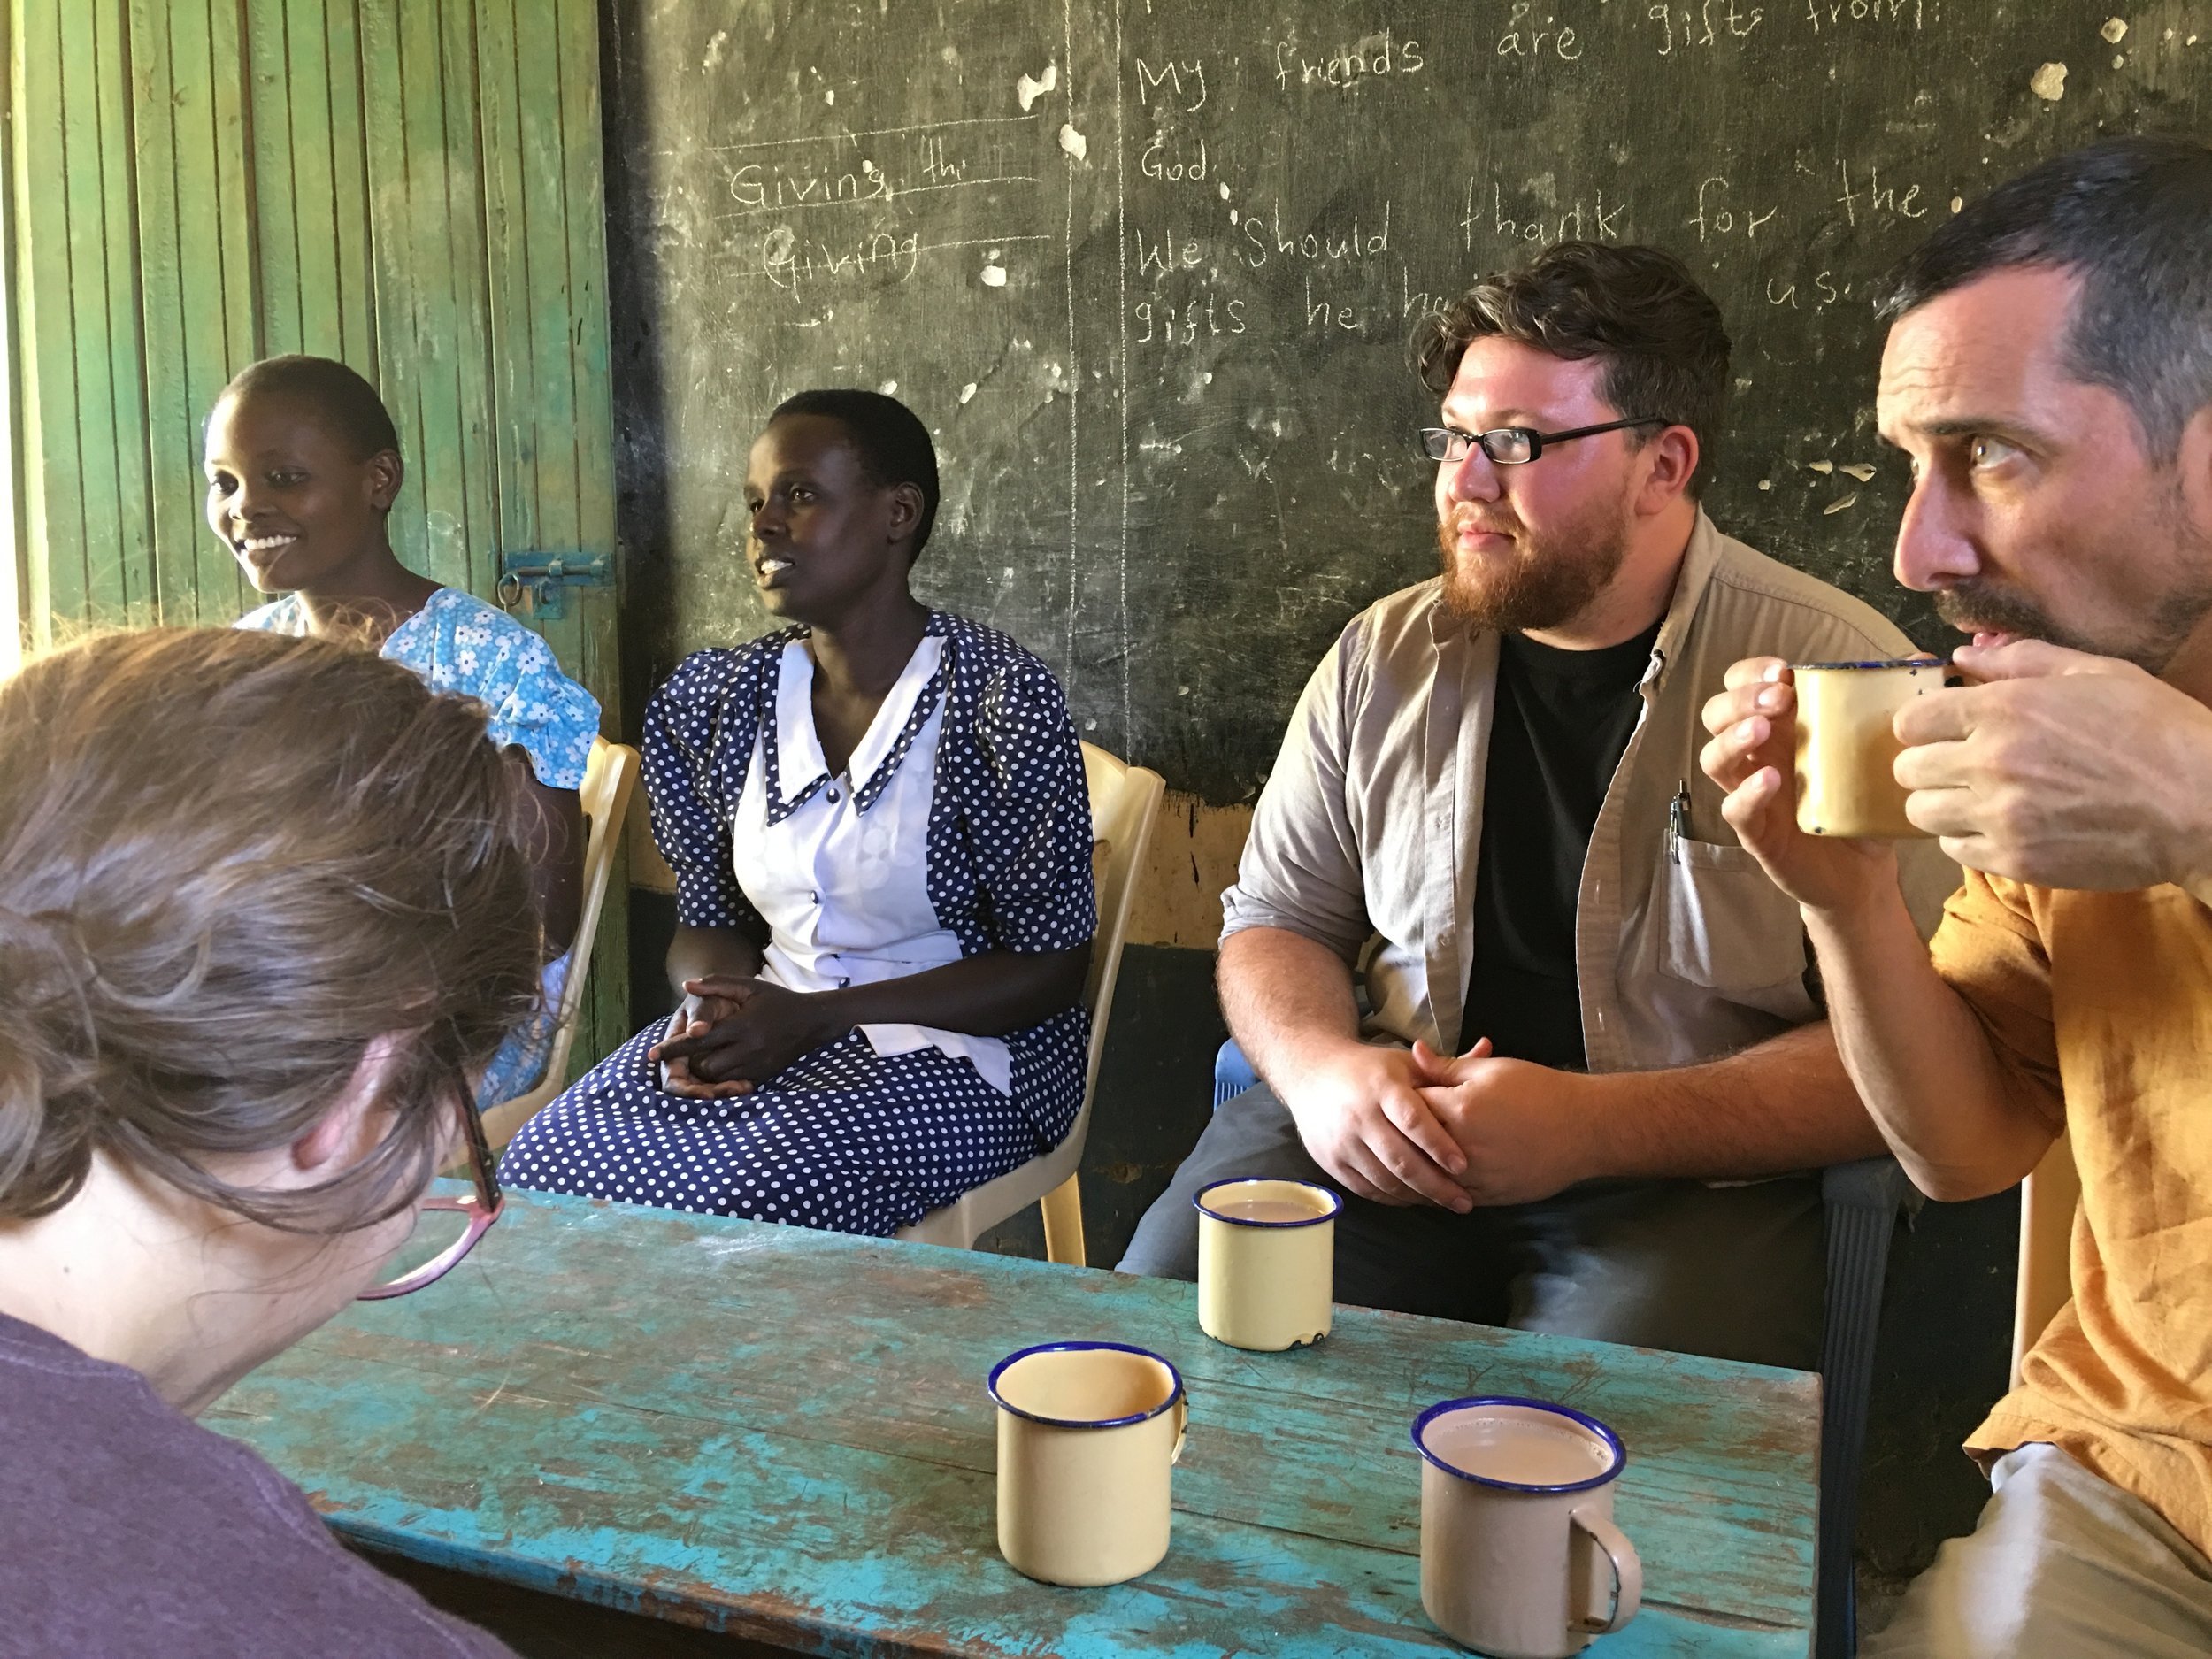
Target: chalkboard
x=1148, y=270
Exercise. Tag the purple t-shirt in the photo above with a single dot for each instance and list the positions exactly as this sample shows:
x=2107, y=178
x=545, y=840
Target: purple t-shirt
x=126, y=1530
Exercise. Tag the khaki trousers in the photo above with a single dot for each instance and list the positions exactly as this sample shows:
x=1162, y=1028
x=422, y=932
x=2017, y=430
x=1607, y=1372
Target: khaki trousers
x=2062, y=1565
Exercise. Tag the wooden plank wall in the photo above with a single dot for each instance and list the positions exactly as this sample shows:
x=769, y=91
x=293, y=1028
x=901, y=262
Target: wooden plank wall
x=412, y=186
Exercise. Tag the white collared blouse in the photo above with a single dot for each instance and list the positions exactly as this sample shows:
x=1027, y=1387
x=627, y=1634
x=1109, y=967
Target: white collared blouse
x=960, y=825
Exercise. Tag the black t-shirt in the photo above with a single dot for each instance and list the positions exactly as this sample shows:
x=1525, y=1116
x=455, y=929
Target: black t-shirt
x=1561, y=722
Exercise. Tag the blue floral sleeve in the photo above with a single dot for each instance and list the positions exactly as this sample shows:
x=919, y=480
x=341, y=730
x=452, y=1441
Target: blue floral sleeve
x=459, y=643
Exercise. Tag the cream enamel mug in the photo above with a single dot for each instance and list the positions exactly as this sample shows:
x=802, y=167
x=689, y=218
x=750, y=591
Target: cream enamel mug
x=1846, y=746
x=1519, y=1555
x=1266, y=1261
x=1088, y=1433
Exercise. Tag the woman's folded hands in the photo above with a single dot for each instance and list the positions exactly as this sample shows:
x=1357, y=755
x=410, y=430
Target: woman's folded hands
x=735, y=1032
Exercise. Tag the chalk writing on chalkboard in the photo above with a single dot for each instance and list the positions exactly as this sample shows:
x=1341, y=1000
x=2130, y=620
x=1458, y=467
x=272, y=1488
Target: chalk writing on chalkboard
x=1148, y=270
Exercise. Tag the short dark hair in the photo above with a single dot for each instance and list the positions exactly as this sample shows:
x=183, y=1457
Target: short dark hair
x=2131, y=218
x=1662, y=337
x=893, y=444
x=347, y=402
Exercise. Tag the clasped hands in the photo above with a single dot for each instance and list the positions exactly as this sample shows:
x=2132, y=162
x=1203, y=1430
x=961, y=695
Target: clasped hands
x=1411, y=1126
x=2051, y=767
x=732, y=1032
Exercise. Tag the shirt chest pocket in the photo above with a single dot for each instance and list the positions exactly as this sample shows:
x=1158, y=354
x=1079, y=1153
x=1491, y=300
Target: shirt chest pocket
x=1726, y=926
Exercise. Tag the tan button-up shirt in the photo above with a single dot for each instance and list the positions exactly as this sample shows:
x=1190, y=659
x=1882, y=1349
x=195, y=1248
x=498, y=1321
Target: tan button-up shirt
x=1366, y=836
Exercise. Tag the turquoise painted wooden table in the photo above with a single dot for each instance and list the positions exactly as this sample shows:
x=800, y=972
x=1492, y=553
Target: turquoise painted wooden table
x=784, y=1434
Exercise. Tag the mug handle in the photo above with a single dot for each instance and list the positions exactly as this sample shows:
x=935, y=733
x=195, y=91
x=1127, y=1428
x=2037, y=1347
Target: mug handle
x=1182, y=1427
x=1628, y=1568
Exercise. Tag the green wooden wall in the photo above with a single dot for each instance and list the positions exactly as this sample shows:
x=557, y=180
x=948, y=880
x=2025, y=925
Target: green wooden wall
x=412, y=186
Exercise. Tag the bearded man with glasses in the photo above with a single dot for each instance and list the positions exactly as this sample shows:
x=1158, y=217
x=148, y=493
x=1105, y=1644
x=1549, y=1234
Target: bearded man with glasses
x=1508, y=982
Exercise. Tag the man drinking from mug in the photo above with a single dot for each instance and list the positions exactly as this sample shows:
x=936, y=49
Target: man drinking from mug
x=2048, y=375
x=1488, y=805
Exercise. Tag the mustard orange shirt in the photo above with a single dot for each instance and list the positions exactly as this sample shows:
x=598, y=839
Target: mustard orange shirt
x=2099, y=1004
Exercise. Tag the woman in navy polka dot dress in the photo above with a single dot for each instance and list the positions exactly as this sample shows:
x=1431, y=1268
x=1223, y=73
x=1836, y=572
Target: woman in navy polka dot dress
x=882, y=846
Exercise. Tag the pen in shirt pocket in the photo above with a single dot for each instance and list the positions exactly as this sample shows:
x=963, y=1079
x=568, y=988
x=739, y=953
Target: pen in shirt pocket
x=1678, y=820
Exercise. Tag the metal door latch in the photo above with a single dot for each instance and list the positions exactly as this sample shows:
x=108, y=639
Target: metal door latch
x=540, y=579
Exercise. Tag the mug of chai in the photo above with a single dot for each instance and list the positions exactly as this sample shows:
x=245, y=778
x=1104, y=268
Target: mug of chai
x=1087, y=1434
x=1519, y=1554
x=1846, y=746
x=1266, y=1261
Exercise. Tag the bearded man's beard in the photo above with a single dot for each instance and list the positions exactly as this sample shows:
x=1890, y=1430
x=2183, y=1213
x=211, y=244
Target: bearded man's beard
x=1548, y=581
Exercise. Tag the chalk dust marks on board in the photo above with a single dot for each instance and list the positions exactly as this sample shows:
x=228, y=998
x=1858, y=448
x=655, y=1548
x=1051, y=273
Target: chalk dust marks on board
x=1029, y=88
x=1067, y=275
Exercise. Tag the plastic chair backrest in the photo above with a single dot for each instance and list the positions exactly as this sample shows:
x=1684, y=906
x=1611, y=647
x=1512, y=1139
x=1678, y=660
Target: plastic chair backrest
x=2049, y=1199
x=1124, y=801
x=610, y=776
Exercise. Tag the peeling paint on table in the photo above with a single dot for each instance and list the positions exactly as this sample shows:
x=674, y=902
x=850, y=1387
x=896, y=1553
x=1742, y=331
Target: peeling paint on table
x=784, y=1434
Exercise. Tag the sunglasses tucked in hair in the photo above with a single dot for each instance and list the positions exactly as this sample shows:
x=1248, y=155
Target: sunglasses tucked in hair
x=228, y=862
x=2133, y=219
x=1664, y=346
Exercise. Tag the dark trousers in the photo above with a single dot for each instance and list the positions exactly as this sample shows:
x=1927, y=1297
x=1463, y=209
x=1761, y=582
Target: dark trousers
x=1731, y=1272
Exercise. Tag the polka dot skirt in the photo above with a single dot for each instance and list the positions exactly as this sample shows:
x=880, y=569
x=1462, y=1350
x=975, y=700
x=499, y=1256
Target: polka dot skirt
x=844, y=1139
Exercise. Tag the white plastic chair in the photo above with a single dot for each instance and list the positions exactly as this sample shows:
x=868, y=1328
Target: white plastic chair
x=1124, y=800
x=2049, y=1199
x=609, y=775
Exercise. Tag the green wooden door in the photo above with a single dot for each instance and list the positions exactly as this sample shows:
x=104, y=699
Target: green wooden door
x=411, y=186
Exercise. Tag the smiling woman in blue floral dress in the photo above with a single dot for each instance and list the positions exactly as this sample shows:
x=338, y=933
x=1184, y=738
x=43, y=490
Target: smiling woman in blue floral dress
x=882, y=843
x=303, y=467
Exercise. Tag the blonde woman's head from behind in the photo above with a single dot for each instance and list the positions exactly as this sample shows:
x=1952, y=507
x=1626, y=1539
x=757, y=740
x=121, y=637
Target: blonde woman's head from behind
x=264, y=912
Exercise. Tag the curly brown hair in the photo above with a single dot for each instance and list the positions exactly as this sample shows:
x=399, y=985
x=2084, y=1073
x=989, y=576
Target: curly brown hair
x=229, y=861
x=1661, y=335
